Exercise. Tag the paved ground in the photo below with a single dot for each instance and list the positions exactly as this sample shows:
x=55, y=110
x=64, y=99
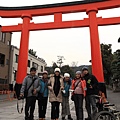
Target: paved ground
x=8, y=109
x=114, y=98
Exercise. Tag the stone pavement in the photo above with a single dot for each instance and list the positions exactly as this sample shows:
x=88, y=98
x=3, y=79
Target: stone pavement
x=8, y=111
x=114, y=98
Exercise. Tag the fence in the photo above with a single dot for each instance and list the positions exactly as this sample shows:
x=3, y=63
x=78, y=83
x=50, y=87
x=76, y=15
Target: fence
x=5, y=93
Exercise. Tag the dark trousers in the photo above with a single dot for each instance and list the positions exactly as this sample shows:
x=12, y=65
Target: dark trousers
x=30, y=105
x=55, y=110
x=90, y=101
x=78, y=101
x=42, y=105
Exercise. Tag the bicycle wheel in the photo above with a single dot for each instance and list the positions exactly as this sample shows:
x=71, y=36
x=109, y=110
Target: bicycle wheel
x=117, y=115
x=104, y=115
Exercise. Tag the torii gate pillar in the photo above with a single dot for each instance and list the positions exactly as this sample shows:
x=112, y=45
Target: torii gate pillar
x=23, y=53
x=97, y=68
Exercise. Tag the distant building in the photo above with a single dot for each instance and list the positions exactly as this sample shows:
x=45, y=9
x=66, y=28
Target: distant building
x=37, y=62
x=5, y=43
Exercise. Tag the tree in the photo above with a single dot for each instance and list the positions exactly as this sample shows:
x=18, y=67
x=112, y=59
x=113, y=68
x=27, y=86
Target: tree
x=60, y=60
x=64, y=69
x=32, y=52
x=67, y=69
x=74, y=64
x=51, y=69
x=107, y=58
x=115, y=65
x=54, y=65
x=90, y=69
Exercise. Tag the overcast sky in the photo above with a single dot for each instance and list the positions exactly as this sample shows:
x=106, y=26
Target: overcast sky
x=73, y=44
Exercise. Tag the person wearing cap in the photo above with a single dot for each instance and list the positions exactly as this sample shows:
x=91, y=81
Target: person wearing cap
x=55, y=86
x=92, y=89
x=32, y=82
x=79, y=88
x=43, y=96
x=65, y=97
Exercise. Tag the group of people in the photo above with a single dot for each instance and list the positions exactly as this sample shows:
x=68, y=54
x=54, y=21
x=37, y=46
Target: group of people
x=57, y=88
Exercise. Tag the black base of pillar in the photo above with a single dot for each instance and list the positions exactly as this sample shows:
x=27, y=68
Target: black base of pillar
x=102, y=87
x=17, y=89
x=11, y=87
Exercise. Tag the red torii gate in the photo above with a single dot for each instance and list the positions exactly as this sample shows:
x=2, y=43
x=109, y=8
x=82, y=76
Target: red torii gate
x=91, y=8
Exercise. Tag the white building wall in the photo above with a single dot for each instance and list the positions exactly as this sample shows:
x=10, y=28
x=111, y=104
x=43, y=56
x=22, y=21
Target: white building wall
x=38, y=61
x=14, y=66
x=32, y=59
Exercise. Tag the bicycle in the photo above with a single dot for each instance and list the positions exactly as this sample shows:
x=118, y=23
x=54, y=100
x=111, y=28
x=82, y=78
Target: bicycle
x=106, y=111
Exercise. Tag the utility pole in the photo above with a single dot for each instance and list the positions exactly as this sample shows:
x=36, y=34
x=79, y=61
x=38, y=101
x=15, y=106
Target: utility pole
x=60, y=60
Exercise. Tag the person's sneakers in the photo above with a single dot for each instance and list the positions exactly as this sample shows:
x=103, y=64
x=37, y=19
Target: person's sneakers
x=26, y=118
x=63, y=118
x=31, y=118
x=88, y=118
x=69, y=117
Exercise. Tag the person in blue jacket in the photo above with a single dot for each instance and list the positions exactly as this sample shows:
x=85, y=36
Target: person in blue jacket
x=43, y=96
x=65, y=97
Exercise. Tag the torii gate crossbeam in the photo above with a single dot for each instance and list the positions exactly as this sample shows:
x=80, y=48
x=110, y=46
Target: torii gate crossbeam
x=62, y=25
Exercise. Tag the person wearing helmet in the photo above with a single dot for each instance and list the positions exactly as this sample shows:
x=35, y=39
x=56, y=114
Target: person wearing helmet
x=79, y=88
x=43, y=96
x=92, y=89
x=55, y=86
x=65, y=97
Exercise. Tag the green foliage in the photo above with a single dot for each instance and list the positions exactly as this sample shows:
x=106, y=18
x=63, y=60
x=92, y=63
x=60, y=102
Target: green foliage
x=32, y=52
x=111, y=63
x=90, y=69
x=115, y=65
x=51, y=69
x=107, y=58
x=67, y=69
x=64, y=69
x=54, y=65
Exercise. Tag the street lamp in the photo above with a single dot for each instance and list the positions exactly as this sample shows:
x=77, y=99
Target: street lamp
x=119, y=40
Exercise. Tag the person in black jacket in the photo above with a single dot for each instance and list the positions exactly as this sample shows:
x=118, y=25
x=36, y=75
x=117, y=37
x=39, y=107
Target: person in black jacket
x=92, y=89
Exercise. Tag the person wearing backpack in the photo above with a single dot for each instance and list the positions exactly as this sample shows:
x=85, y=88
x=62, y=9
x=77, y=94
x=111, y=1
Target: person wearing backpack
x=65, y=97
x=92, y=89
x=29, y=90
x=43, y=96
x=79, y=88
